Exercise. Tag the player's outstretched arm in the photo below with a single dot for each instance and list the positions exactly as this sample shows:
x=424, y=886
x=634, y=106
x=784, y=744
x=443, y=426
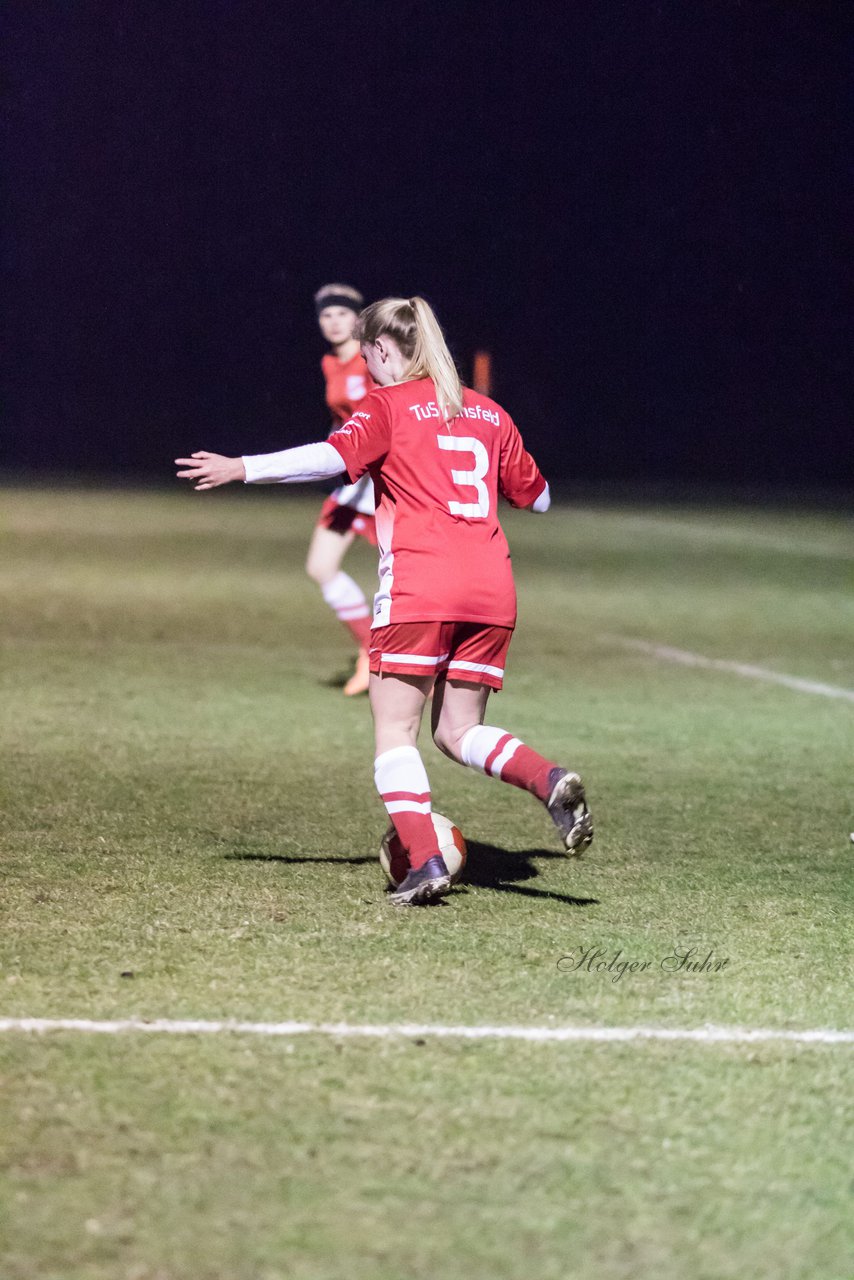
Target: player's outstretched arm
x=207, y=470
x=300, y=465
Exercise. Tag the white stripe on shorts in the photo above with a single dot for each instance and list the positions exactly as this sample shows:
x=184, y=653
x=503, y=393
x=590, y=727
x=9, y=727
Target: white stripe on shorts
x=407, y=806
x=506, y=755
x=483, y=667
x=414, y=659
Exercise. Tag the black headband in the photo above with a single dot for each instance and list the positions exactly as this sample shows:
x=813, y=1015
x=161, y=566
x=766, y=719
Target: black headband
x=338, y=300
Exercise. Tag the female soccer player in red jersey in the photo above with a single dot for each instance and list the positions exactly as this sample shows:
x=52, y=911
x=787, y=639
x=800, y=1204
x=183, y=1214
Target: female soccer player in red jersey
x=349, y=511
x=439, y=455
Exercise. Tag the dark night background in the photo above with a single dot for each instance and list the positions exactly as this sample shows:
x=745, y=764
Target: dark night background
x=638, y=207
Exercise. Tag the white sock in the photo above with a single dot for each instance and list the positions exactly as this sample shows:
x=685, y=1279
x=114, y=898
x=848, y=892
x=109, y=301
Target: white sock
x=346, y=597
x=401, y=779
x=488, y=749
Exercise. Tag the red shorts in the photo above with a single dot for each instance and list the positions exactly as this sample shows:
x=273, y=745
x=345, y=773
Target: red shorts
x=471, y=651
x=342, y=519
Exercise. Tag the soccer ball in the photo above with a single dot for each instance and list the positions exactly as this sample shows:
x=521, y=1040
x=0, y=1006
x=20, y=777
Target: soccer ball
x=452, y=846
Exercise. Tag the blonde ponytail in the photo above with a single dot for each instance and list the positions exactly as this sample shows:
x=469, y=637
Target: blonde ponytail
x=432, y=359
x=415, y=329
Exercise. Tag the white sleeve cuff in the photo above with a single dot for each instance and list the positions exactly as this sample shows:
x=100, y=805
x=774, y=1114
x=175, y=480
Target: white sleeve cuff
x=543, y=502
x=295, y=466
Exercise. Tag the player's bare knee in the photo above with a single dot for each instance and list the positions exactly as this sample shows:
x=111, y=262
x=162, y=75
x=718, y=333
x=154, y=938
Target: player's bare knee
x=318, y=572
x=448, y=741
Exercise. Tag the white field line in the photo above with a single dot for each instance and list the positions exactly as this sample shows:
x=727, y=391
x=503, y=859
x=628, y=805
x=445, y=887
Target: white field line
x=681, y=656
x=412, y=1030
x=727, y=534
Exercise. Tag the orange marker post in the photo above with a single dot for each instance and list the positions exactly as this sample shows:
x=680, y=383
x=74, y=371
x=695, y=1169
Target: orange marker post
x=482, y=373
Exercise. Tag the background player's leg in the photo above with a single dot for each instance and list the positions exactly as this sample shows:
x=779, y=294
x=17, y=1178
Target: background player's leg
x=345, y=597
x=458, y=730
x=397, y=703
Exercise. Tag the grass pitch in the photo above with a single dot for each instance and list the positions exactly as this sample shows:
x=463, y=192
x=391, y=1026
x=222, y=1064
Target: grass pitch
x=190, y=831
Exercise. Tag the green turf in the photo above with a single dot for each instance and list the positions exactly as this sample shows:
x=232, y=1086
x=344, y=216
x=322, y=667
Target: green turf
x=190, y=830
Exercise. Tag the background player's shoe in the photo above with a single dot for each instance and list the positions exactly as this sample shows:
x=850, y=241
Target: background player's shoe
x=358, y=682
x=428, y=883
x=567, y=805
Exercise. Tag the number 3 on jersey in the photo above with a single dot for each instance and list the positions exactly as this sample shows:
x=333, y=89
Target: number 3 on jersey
x=471, y=479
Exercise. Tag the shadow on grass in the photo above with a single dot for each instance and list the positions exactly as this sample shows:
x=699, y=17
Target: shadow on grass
x=490, y=867
x=338, y=681
x=297, y=857
x=335, y=681
x=487, y=867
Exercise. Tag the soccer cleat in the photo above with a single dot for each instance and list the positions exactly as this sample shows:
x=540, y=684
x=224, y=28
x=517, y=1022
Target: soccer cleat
x=428, y=883
x=358, y=682
x=567, y=805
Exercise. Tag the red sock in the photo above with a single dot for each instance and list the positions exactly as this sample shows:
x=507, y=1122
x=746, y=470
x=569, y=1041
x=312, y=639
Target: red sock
x=498, y=753
x=360, y=629
x=528, y=770
x=401, y=780
x=418, y=836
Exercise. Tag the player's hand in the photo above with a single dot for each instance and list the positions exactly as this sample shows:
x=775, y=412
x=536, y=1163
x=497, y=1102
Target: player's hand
x=207, y=470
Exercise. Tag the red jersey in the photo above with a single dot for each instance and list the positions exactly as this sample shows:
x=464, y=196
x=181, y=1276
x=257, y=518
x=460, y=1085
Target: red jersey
x=347, y=382
x=444, y=556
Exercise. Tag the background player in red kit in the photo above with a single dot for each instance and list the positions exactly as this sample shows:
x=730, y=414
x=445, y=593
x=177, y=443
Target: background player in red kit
x=349, y=511
x=445, y=610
